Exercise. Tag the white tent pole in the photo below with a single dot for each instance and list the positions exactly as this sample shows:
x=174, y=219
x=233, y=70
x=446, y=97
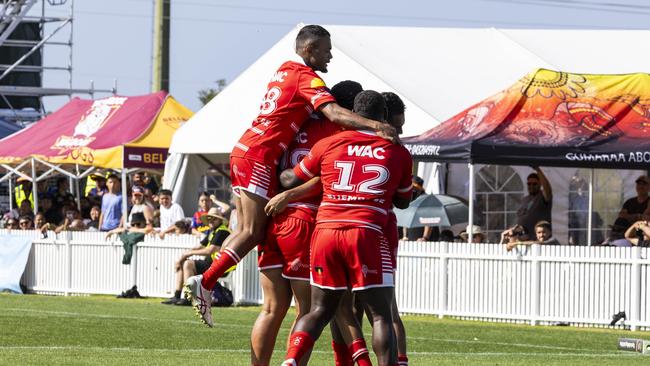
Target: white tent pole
x=34, y=187
x=11, y=195
x=470, y=200
x=591, y=206
x=125, y=207
x=76, y=188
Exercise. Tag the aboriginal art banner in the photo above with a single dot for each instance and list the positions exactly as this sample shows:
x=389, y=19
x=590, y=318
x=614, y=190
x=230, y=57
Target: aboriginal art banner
x=103, y=133
x=550, y=118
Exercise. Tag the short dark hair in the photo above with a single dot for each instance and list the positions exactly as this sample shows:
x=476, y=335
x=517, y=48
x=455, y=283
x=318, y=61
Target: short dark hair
x=310, y=33
x=204, y=193
x=370, y=104
x=394, y=104
x=112, y=176
x=544, y=224
x=165, y=192
x=345, y=91
x=533, y=175
x=138, y=218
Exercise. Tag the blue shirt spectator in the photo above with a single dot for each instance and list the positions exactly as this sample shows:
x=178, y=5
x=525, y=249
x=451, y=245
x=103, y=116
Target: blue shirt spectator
x=111, y=214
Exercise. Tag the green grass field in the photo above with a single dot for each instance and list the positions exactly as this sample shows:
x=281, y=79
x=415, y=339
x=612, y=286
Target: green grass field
x=100, y=330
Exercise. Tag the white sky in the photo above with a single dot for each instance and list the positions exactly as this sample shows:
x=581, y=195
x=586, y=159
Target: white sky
x=212, y=39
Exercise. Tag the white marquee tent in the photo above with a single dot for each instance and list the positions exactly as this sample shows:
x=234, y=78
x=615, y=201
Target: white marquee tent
x=437, y=71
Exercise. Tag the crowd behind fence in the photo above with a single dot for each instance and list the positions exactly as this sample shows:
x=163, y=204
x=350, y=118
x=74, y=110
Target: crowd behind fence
x=536, y=285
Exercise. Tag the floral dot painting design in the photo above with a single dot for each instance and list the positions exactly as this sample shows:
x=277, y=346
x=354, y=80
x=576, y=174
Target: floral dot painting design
x=549, y=84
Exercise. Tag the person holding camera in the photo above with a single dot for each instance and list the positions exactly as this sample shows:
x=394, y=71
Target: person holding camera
x=543, y=235
x=639, y=233
x=514, y=234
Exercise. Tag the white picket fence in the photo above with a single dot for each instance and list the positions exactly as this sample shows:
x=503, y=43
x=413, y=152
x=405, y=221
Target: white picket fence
x=539, y=285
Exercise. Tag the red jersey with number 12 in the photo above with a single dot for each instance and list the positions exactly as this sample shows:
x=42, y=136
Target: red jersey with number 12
x=294, y=92
x=360, y=173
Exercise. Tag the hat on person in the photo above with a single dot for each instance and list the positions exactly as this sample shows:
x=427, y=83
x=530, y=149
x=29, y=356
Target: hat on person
x=97, y=176
x=213, y=212
x=475, y=230
x=643, y=179
x=137, y=190
x=22, y=179
x=138, y=218
x=417, y=180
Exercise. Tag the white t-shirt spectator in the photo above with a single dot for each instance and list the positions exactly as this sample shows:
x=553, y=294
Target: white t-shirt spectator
x=169, y=216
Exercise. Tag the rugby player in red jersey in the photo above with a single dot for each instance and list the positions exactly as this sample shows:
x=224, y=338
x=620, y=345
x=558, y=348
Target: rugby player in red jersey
x=284, y=258
x=362, y=176
x=293, y=93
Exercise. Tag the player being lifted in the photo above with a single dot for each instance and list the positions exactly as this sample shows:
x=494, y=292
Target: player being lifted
x=284, y=258
x=362, y=176
x=293, y=93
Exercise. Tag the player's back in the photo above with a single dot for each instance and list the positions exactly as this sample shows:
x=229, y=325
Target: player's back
x=360, y=173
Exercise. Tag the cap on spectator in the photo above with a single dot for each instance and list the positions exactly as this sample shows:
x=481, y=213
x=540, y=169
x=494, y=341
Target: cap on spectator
x=643, y=179
x=97, y=176
x=22, y=179
x=417, y=181
x=138, y=218
x=137, y=190
x=213, y=212
x=620, y=225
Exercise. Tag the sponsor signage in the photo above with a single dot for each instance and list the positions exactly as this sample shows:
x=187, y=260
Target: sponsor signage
x=145, y=157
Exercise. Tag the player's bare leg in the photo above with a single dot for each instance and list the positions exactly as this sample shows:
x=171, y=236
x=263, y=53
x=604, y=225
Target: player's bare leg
x=346, y=333
x=277, y=299
x=253, y=230
x=307, y=330
x=379, y=302
x=302, y=294
x=400, y=333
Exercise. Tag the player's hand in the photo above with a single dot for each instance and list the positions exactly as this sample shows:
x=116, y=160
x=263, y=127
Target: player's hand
x=389, y=133
x=276, y=204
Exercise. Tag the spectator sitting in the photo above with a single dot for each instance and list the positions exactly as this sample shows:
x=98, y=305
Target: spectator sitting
x=11, y=223
x=182, y=227
x=543, y=233
x=537, y=205
x=111, y=214
x=447, y=235
x=616, y=236
x=40, y=222
x=477, y=234
x=636, y=208
x=170, y=212
x=205, y=203
x=93, y=222
x=210, y=247
x=514, y=234
x=25, y=209
x=639, y=234
x=72, y=221
x=25, y=222
x=52, y=215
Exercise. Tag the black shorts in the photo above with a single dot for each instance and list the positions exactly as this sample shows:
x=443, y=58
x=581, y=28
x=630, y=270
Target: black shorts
x=202, y=265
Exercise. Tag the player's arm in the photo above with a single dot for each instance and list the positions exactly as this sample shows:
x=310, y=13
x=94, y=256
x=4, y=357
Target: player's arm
x=353, y=121
x=402, y=197
x=280, y=201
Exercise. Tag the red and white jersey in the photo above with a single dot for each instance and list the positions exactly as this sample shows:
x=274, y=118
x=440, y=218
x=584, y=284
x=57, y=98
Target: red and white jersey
x=294, y=92
x=314, y=130
x=360, y=173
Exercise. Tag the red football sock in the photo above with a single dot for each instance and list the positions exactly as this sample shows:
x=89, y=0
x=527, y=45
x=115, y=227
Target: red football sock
x=402, y=360
x=360, y=353
x=341, y=354
x=299, y=344
x=221, y=264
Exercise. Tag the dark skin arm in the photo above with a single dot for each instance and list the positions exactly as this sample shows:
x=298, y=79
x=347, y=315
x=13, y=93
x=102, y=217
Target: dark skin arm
x=401, y=202
x=279, y=202
x=353, y=121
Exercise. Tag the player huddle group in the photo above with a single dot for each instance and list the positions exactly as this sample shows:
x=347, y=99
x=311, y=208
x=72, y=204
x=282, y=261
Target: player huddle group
x=329, y=240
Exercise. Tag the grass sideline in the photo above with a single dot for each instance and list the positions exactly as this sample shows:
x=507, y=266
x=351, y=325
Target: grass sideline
x=102, y=330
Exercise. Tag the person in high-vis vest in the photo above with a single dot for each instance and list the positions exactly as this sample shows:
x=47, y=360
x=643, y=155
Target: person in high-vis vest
x=209, y=248
x=23, y=191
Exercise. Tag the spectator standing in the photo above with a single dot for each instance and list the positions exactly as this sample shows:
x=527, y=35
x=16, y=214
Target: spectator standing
x=170, y=212
x=634, y=209
x=100, y=186
x=209, y=248
x=62, y=196
x=514, y=234
x=25, y=223
x=639, y=233
x=11, y=223
x=140, y=206
x=23, y=191
x=150, y=183
x=111, y=214
x=417, y=233
x=537, y=205
x=93, y=222
x=477, y=234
